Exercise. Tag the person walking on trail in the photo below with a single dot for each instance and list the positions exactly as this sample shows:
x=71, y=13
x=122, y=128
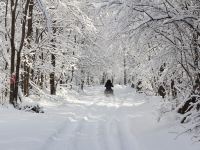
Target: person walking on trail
x=108, y=86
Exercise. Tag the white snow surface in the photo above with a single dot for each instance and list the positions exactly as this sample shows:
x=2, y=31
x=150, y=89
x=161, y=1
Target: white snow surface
x=91, y=121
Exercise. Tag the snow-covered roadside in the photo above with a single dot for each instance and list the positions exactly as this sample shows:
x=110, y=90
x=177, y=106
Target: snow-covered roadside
x=91, y=121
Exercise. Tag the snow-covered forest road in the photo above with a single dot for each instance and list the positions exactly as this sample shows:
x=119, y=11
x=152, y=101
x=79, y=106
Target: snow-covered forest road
x=91, y=121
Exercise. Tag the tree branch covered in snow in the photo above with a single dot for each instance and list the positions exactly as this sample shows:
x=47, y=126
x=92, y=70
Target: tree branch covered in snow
x=164, y=37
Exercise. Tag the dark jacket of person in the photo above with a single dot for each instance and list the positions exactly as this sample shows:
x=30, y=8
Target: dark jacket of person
x=108, y=85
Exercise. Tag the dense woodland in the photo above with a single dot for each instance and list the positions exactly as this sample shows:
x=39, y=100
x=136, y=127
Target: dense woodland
x=153, y=45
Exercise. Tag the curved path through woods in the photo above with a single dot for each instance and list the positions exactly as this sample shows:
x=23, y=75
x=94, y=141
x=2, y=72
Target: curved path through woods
x=91, y=121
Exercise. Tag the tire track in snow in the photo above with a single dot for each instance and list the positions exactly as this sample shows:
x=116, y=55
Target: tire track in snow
x=118, y=132
x=113, y=136
x=74, y=135
x=110, y=136
x=77, y=133
x=54, y=135
x=72, y=128
x=57, y=138
x=87, y=137
x=102, y=135
x=128, y=141
x=104, y=126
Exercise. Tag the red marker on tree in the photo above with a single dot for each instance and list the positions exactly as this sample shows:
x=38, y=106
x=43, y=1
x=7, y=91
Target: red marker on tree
x=13, y=79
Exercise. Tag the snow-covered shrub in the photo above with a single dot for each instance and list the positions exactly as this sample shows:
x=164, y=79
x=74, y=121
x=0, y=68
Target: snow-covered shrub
x=31, y=108
x=30, y=105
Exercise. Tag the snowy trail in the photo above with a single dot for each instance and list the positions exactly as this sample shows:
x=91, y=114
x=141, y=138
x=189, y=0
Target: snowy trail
x=91, y=121
x=102, y=127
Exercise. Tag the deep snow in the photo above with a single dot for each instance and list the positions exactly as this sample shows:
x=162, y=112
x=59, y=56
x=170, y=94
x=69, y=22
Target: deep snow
x=91, y=121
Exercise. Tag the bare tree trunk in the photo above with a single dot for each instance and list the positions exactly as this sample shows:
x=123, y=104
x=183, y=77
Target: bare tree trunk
x=29, y=38
x=104, y=77
x=52, y=76
x=82, y=84
x=12, y=60
x=88, y=78
x=23, y=34
x=42, y=75
x=53, y=63
x=72, y=73
x=26, y=79
x=125, y=73
x=6, y=37
x=17, y=76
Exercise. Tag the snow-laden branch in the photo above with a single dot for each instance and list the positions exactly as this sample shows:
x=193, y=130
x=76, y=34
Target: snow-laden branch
x=42, y=7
